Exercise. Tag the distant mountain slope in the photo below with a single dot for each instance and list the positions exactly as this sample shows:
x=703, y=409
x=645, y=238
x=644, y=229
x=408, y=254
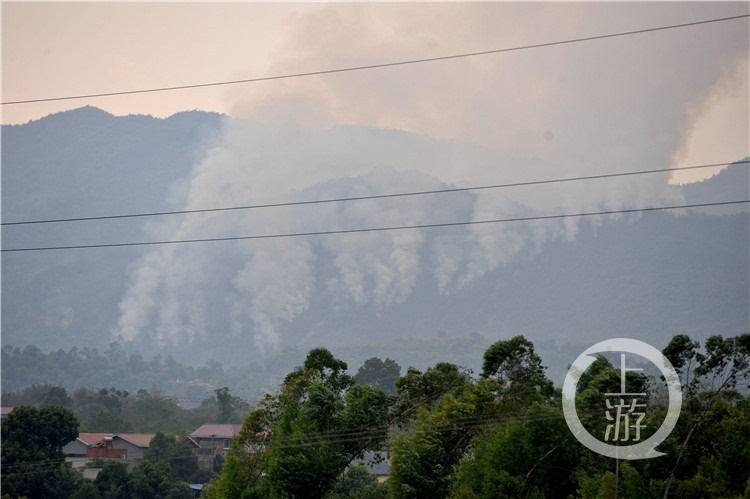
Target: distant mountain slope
x=648, y=276
x=732, y=183
x=654, y=277
x=85, y=162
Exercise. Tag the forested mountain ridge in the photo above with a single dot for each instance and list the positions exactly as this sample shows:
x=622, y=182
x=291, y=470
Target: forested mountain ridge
x=649, y=275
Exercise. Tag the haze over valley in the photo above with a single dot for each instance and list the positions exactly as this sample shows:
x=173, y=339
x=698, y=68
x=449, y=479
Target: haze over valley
x=562, y=282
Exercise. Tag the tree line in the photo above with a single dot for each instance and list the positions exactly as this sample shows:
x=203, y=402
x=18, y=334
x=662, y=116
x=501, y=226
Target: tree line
x=115, y=366
x=111, y=410
x=77, y=367
x=447, y=432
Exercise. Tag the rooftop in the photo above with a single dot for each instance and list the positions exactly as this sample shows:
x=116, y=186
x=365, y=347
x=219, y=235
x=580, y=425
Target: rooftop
x=93, y=438
x=138, y=439
x=217, y=431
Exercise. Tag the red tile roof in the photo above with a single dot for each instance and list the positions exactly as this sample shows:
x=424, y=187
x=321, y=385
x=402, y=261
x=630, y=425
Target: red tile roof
x=139, y=439
x=217, y=431
x=93, y=438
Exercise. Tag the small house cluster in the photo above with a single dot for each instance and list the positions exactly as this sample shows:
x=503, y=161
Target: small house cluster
x=209, y=441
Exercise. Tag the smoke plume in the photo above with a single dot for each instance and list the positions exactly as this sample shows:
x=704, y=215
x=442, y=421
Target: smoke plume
x=610, y=106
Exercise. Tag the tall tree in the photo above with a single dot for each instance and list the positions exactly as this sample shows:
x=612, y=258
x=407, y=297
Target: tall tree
x=244, y=466
x=683, y=354
x=176, y=452
x=380, y=374
x=224, y=402
x=150, y=480
x=32, y=457
x=102, y=410
x=358, y=483
x=427, y=449
x=534, y=455
x=300, y=441
x=113, y=481
x=416, y=389
x=518, y=369
x=725, y=361
x=152, y=411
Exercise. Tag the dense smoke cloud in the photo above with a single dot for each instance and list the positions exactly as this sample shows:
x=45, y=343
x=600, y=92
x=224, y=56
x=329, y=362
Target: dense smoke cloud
x=629, y=99
x=618, y=105
x=182, y=292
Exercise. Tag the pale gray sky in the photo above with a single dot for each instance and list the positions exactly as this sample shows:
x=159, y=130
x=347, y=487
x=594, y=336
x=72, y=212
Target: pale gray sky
x=683, y=91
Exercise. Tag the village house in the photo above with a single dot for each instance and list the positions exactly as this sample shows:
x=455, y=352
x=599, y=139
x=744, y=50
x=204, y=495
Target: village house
x=135, y=444
x=127, y=448
x=213, y=440
x=89, y=444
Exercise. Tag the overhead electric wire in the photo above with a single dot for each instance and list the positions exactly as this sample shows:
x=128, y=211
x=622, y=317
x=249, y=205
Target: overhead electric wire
x=332, y=437
x=379, y=229
x=374, y=196
x=376, y=66
x=337, y=437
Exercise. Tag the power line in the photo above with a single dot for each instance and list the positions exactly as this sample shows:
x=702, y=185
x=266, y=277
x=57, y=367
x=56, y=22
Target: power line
x=376, y=66
x=377, y=229
x=362, y=198
x=340, y=436
x=321, y=438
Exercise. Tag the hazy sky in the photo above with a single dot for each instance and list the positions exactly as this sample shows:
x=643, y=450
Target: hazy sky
x=692, y=82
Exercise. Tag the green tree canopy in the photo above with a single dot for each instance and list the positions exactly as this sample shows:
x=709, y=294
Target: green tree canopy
x=530, y=456
x=113, y=481
x=380, y=374
x=87, y=490
x=516, y=366
x=416, y=389
x=32, y=442
x=151, y=480
x=177, y=452
x=298, y=442
x=501, y=435
x=358, y=483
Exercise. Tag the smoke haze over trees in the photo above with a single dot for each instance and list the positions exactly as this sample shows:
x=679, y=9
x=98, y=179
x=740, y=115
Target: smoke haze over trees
x=388, y=235
x=243, y=301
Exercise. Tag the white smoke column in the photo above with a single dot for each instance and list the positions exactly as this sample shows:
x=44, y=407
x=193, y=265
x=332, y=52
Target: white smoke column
x=184, y=292
x=554, y=113
x=253, y=288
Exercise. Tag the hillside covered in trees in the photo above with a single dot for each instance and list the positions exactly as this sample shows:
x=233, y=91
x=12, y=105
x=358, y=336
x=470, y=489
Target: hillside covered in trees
x=641, y=275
